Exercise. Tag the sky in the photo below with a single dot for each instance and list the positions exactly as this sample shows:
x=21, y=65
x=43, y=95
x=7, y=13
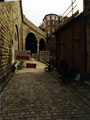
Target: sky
x=35, y=10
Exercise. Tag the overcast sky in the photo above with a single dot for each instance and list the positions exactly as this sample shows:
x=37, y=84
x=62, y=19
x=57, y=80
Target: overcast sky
x=35, y=10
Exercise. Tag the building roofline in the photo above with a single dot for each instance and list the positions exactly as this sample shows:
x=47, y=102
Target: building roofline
x=49, y=15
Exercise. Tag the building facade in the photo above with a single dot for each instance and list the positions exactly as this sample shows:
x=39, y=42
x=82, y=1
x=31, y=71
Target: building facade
x=50, y=25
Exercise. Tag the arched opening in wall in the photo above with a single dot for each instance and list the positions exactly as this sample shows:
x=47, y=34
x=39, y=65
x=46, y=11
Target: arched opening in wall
x=17, y=35
x=2, y=0
x=42, y=45
x=31, y=43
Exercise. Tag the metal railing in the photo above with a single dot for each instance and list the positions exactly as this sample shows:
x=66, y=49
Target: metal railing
x=69, y=10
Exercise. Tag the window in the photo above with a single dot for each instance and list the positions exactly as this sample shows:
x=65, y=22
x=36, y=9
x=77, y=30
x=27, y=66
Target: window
x=48, y=22
x=53, y=22
x=48, y=17
x=48, y=30
x=53, y=30
x=44, y=25
x=53, y=17
x=56, y=18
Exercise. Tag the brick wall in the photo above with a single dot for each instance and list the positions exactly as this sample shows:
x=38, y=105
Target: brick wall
x=10, y=16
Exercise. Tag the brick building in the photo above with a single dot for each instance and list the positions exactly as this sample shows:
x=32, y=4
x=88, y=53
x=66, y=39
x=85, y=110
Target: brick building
x=50, y=25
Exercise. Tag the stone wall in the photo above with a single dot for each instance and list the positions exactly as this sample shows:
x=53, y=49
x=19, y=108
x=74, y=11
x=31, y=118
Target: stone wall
x=13, y=30
x=10, y=35
x=29, y=27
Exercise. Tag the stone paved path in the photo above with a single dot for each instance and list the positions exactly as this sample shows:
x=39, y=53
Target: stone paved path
x=36, y=95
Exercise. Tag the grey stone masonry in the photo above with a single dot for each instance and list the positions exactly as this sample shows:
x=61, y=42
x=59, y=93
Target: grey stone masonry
x=36, y=95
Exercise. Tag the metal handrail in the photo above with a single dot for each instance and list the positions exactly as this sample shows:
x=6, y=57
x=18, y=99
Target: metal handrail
x=68, y=8
x=62, y=17
x=71, y=10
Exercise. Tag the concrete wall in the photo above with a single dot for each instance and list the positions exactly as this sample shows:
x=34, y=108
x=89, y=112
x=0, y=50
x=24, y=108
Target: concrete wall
x=10, y=17
x=71, y=44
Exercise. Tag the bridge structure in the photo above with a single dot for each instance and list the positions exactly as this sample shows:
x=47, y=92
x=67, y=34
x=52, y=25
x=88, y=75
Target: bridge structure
x=34, y=39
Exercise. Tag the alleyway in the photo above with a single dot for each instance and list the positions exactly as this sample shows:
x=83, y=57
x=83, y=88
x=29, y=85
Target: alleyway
x=33, y=94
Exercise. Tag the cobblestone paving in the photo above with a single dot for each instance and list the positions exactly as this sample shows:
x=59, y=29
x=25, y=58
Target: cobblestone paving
x=38, y=96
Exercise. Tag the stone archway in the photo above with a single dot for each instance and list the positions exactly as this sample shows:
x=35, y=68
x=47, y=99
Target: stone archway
x=42, y=46
x=31, y=43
